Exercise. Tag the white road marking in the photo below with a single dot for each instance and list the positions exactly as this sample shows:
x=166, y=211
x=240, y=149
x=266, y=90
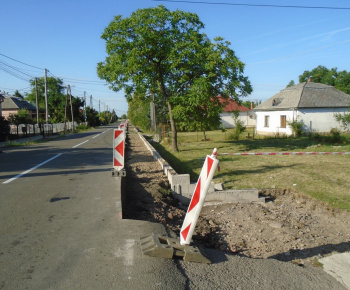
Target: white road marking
x=31, y=169
x=96, y=136
x=127, y=253
x=80, y=144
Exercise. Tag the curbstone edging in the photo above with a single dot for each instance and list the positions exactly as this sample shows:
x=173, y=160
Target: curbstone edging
x=183, y=189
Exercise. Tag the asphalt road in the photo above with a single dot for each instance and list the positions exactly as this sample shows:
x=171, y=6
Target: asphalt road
x=60, y=222
x=60, y=228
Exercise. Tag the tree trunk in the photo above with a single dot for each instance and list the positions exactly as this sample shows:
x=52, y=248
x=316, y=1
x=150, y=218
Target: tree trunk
x=173, y=130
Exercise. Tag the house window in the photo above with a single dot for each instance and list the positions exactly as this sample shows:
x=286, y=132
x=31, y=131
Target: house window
x=283, y=121
x=267, y=121
x=276, y=102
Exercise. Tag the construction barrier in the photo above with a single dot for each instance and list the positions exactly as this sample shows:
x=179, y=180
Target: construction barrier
x=286, y=153
x=198, y=197
x=123, y=125
x=119, y=149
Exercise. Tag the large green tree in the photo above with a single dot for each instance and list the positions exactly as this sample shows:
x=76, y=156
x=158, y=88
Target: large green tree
x=162, y=52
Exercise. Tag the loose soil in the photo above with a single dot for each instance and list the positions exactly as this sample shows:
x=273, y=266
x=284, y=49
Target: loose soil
x=288, y=227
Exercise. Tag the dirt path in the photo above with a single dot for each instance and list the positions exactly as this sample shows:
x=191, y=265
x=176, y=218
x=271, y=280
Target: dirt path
x=289, y=227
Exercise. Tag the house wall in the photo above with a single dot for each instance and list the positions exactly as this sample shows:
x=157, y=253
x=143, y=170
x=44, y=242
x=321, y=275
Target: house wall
x=248, y=119
x=274, y=126
x=6, y=113
x=315, y=120
x=320, y=120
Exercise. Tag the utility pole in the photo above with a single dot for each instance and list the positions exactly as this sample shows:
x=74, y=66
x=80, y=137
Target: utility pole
x=71, y=107
x=65, y=111
x=46, y=105
x=36, y=102
x=85, y=107
x=153, y=115
x=91, y=105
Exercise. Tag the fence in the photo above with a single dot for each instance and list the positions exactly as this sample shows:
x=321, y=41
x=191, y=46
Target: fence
x=29, y=130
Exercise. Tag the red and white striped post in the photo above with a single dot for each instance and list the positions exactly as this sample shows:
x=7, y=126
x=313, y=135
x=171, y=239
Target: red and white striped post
x=198, y=197
x=118, y=149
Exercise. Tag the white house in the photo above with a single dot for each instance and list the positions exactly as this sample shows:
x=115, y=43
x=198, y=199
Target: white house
x=247, y=116
x=312, y=103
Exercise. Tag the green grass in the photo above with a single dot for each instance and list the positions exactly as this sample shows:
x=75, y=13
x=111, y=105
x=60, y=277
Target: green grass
x=18, y=144
x=323, y=177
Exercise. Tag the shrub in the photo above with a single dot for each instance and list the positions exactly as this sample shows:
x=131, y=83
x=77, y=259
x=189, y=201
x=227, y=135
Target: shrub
x=82, y=127
x=335, y=135
x=297, y=127
x=239, y=127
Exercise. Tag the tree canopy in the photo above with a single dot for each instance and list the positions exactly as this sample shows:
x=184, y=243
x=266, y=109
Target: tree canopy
x=290, y=84
x=331, y=77
x=138, y=111
x=161, y=52
x=56, y=99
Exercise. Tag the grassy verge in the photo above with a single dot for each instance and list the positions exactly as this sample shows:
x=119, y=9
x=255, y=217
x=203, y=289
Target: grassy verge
x=323, y=177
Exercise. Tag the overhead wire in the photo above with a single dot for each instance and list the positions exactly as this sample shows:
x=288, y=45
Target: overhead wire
x=13, y=74
x=21, y=62
x=256, y=5
x=22, y=74
x=15, y=68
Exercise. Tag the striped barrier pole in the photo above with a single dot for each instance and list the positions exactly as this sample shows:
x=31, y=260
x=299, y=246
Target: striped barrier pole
x=198, y=197
x=118, y=149
x=123, y=125
x=285, y=153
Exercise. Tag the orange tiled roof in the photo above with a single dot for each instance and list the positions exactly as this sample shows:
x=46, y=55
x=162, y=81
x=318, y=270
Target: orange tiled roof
x=231, y=106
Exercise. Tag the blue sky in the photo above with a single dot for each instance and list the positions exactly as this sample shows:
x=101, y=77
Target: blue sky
x=276, y=44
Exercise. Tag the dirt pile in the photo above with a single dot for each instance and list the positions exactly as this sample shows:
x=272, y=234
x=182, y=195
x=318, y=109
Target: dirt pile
x=288, y=227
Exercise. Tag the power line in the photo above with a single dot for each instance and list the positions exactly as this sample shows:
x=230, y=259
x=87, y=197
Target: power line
x=21, y=62
x=256, y=5
x=13, y=73
x=15, y=68
x=20, y=74
x=84, y=81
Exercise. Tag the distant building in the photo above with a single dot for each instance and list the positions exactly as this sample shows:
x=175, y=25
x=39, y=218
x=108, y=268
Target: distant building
x=12, y=104
x=312, y=103
x=247, y=116
x=2, y=98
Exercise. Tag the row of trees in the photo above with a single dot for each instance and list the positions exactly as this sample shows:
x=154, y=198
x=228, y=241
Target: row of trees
x=58, y=105
x=331, y=77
